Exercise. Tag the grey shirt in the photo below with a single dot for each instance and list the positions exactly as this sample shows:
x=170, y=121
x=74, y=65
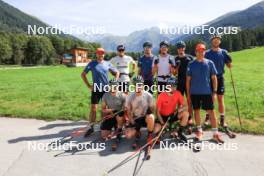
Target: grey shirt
x=138, y=105
x=114, y=102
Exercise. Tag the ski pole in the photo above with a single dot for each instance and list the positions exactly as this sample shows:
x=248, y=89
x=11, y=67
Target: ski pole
x=234, y=90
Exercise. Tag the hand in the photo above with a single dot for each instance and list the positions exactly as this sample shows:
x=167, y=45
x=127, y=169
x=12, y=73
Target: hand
x=90, y=87
x=131, y=74
x=214, y=96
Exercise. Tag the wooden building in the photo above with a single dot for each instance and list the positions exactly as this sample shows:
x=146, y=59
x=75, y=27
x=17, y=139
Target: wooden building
x=77, y=56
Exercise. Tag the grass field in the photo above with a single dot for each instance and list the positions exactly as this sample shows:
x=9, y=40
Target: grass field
x=57, y=92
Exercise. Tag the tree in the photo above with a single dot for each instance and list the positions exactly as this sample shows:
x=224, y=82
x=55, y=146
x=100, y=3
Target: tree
x=5, y=50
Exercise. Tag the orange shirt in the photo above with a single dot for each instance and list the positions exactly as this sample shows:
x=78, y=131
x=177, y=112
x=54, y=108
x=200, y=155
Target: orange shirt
x=167, y=104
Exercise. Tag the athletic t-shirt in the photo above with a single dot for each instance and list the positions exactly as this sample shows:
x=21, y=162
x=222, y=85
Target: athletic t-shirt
x=115, y=102
x=100, y=71
x=122, y=65
x=200, y=73
x=145, y=64
x=139, y=105
x=182, y=63
x=163, y=64
x=220, y=58
x=167, y=104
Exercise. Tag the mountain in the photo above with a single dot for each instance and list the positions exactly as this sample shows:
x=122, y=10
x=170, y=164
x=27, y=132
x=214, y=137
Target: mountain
x=249, y=18
x=14, y=20
x=133, y=41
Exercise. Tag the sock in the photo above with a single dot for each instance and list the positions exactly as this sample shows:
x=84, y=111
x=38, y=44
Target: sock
x=150, y=133
x=199, y=128
x=222, y=118
x=214, y=130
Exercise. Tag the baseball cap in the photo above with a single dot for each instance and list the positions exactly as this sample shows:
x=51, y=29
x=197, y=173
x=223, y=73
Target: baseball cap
x=100, y=51
x=200, y=47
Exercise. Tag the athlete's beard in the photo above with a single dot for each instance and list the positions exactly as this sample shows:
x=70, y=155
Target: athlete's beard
x=163, y=53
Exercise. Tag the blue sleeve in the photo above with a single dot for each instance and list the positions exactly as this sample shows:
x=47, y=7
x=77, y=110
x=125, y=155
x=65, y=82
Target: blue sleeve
x=88, y=67
x=213, y=70
x=112, y=68
x=189, y=70
x=227, y=57
x=206, y=54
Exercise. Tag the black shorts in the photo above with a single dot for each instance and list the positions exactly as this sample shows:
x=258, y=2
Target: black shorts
x=173, y=118
x=182, y=87
x=123, y=86
x=140, y=122
x=109, y=124
x=96, y=97
x=204, y=101
x=220, y=85
x=149, y=83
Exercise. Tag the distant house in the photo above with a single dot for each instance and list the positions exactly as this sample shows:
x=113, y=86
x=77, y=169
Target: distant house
x=76, y=57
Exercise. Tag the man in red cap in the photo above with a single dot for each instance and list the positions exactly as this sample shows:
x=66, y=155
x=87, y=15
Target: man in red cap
x=100, y=70
x=201, y=74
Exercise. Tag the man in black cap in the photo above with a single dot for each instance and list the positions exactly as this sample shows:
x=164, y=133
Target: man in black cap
x=145, y=66
x=162, y=66
x=122, y=63
x=180, y=68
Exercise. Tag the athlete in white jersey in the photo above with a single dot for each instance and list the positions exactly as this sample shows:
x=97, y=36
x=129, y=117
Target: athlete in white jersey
x=122, y=63
x=162, y=66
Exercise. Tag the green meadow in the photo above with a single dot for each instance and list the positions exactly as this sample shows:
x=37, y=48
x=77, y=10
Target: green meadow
x=57, y=92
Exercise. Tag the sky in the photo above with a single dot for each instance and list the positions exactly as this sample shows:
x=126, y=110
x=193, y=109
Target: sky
x=121, y=17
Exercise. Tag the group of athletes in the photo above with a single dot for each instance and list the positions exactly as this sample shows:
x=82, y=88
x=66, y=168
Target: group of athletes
x=200, y=79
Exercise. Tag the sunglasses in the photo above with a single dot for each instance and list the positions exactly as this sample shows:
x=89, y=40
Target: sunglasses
x=121, y=50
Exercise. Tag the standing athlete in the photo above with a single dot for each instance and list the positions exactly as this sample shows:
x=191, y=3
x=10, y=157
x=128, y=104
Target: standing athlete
x=145, y=66
x=201, y=74
x=100, y=70
x=122, y=63
x=220, y=58
x=162, y=66
x=181, y=62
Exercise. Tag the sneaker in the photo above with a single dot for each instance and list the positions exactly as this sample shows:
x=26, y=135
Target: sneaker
x=115, y=144
x=135, y=145
x=199, y=135
x=182, y=137
x=217, y=138
x=222, y=122
x=89, y=132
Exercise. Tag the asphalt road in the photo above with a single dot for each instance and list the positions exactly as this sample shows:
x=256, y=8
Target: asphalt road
x=243, y=156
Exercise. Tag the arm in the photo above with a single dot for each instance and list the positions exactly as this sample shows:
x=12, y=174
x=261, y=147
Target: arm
x=188, y=85
x=85, y=80
x=105, y=109
x=214, y=81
